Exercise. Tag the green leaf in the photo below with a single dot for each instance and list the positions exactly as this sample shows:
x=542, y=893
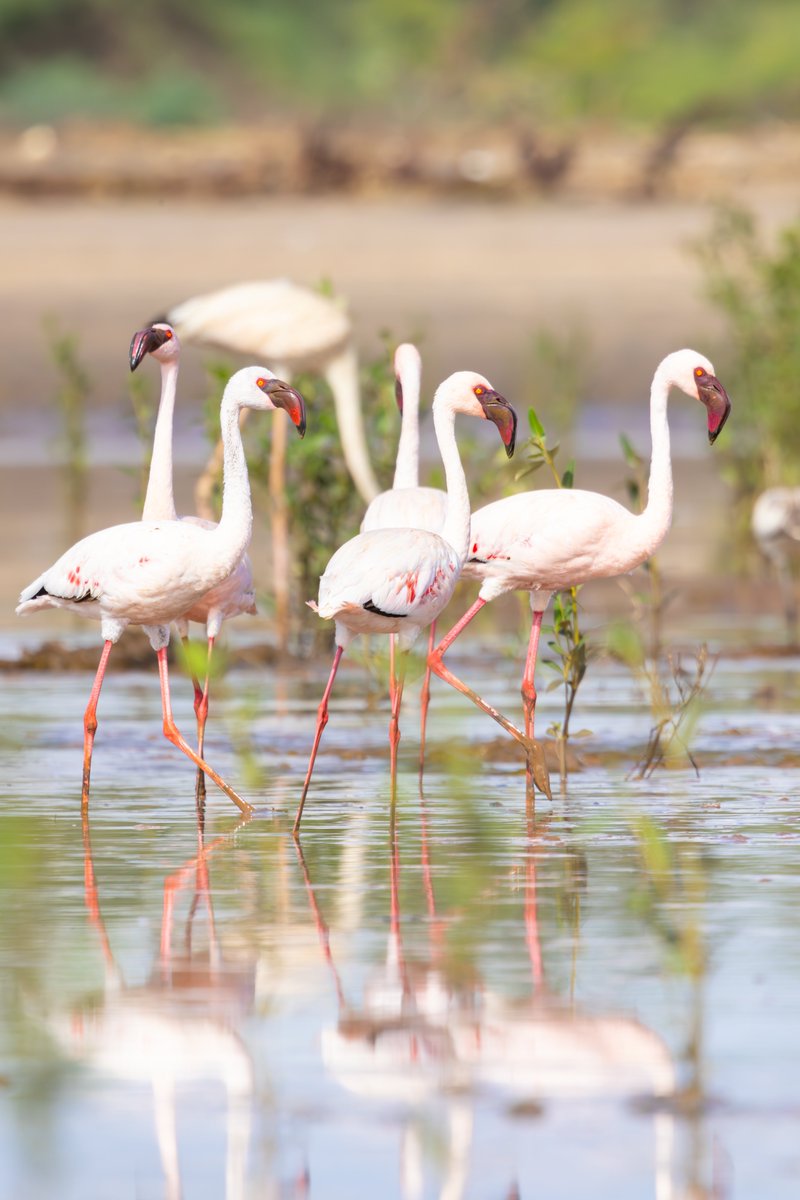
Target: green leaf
x=632, y=458
x=537, y=428
x=568, y=478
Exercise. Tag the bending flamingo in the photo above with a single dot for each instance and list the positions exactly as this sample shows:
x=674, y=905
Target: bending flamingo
x=399, y=580
x=541, y=541
x=236, y=594
x=407, y=505
x=150, y=573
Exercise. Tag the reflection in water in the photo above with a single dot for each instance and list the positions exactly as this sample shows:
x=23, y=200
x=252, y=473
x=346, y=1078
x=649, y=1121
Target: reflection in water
x=177, y=1029
x=421, y=1032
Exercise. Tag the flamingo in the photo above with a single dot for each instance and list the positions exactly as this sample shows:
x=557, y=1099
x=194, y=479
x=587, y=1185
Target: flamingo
x=775, y=523
x=399, y=580
x=544, y=540
x=236, y=594
x=150, y=573
x=406, y=504
x=294, y=329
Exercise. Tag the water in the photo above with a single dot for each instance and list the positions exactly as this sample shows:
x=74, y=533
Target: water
x=600, y=1000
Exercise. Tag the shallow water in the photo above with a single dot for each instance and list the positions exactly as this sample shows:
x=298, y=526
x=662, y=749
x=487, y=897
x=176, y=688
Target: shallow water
x=597, y=1000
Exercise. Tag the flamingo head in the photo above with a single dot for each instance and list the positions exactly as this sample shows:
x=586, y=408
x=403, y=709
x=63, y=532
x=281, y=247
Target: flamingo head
x=159, y=339
x=694, y=375
x=257, y=387
x=407, y=370
x=470, y=393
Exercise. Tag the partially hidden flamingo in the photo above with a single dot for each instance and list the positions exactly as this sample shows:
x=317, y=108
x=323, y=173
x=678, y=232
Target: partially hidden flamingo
x=151, y=573
x=544, y=540
x=407, y=505
x=236, y=594
x=399, y=580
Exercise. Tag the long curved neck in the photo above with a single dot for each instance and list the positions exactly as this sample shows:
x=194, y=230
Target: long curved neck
x=656, y=518
x=406, y=469
x=456, y=526
x=342, y=376
x=236, y=521
x=159, y=501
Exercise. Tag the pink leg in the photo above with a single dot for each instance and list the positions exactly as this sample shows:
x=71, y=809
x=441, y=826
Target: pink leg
x=537, y=768
x=90, y=725
x=173, y=735
x=322, y=721
x=528, y=686
x=424, y=698
x=201, y=712
x=396, y=695
x=438, y=668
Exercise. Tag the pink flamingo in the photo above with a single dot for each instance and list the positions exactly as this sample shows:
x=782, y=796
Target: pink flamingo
x=399, y=580
x=541, y=541
x=150, y=573
x=407, y=505
x=236, y=594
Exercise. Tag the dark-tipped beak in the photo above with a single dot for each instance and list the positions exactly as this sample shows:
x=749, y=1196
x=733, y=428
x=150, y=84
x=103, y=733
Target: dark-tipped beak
x=398, y=393
x=284, y=396
x=145, y=342
x=497, y=409
x=717, y=403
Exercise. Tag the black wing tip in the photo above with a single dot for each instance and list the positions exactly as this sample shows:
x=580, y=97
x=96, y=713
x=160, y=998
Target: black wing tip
x=373, y=608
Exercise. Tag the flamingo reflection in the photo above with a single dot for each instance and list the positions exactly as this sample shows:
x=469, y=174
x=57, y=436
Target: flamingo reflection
x=178, y=1028
x=423, y=1034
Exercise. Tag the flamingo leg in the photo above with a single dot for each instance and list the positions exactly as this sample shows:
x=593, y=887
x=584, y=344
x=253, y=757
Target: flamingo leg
x=424, y=698
x=528, y=685
x=533, y=749
x=396, y=681
x=172, y=733
x=322, y=721
x=90, y=724
x=201, y=712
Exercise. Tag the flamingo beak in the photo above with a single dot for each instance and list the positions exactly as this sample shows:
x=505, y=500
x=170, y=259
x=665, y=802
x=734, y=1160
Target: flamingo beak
x=145, y=341
x=497, y=409
x=283, y=396
x=398, y=393
x=718, y=405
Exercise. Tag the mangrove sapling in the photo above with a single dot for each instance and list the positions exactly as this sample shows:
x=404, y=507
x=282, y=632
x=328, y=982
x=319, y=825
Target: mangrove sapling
x=72, y=392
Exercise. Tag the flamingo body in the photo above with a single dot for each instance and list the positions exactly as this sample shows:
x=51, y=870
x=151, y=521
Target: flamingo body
x=407, y=575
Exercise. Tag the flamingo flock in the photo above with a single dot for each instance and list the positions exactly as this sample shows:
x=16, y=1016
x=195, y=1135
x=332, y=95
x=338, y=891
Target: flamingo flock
x=395, y=577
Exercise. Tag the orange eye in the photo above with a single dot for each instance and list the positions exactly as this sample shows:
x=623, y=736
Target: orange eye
x=699, y=371
x=479, y=390
x=260, y=382
x=168, y=333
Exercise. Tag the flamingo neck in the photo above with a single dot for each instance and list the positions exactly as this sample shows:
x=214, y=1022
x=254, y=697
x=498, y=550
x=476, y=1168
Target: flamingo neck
x=456, y=525
x=236, y=521
x=657, y=515
x=406, y=469
x=341, y=373
x=159, y=501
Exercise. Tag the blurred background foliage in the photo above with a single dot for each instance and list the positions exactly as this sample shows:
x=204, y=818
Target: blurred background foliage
x=555, y=61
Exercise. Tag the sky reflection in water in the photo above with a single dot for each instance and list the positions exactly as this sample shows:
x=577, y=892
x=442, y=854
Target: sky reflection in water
x=601, y=1001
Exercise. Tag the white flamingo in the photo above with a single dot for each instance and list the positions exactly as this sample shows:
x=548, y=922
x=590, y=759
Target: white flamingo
x=236, y=594
x=293, y=329
x=407, y=505
x=399, y=580
x=151, y=573
x=544, y=540
x=775, y=523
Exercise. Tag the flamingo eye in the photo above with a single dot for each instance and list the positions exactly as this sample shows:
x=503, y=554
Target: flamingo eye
x=168, y=334
x=699, y=372
x=260, y=382
x=480, y=390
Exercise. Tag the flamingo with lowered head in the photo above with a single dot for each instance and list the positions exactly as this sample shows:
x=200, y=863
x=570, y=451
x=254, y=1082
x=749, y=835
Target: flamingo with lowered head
x=407, y=505
x=544, y=540
x=151, y=573
x=399, y=580
x=236, y=594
